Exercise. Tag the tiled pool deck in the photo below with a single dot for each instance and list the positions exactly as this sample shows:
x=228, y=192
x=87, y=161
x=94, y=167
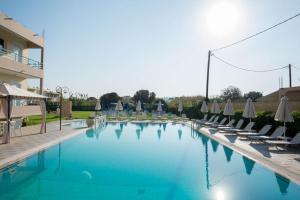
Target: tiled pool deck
x=22, y=147
x=286, y=163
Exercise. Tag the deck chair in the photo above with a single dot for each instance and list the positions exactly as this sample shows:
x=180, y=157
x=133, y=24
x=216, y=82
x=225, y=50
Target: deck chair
x=237, y=126
x=209, y=121
x=294, y=141
x=229, y=124
x=221, y=123
x=213, y=122
x=263, y=131
x=247, y=128
x=274, y=136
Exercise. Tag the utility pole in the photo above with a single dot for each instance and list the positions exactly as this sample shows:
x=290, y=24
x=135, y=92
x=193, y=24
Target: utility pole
x=207, y=76
x=290, y=74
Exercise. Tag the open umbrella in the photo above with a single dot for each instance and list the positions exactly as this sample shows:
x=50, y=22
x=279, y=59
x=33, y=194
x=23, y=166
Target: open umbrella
x=228, y=109
x=283, y=113
x=215, y=108
x=249, y=111
x=204, y=108
x=139, y=106
x=180, y=106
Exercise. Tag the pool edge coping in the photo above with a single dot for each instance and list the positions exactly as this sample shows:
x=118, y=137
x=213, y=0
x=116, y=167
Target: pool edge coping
x=27, y=153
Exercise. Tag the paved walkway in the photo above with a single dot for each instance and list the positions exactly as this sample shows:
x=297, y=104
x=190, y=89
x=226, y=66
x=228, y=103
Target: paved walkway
x=282, y=161
x=22, y=147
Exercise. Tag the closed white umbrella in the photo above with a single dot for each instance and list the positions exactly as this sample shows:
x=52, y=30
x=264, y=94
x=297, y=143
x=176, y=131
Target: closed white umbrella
x=98, y=105
x=215, y=108
x=228, y=109
x=139, y=106
x=119, y=106
x=249, y=111
x=283, y=113
x=159, y=107
x=204, y=107
x=180, y=106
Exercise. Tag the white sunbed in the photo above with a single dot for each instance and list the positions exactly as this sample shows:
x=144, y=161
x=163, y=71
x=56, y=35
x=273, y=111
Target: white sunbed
x=238, y=126
x=221, y=123
x=247, y=128
x=263, y=131
x=229, y=124
x=205, y=121
x=294, y=141
x=204, y=118
x=274, y=136
x=213, y=122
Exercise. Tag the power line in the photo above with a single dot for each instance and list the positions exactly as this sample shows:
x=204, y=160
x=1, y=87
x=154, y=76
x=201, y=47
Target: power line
x=256, y=34
x=245, y=69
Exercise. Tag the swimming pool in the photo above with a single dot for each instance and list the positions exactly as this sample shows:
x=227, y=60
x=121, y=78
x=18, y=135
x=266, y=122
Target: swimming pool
x=142, y=161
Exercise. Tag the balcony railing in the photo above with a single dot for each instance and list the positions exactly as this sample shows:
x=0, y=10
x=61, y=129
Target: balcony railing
x=18, y=58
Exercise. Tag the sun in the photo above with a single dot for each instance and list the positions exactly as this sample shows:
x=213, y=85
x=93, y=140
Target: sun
x=222, y=18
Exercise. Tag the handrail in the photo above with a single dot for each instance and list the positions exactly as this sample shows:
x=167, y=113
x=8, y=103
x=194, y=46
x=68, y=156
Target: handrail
x=18, y=58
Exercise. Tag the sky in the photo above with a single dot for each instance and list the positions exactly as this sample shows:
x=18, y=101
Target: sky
x=98, y=46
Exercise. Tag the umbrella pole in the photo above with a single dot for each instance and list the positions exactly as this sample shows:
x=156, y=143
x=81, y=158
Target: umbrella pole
x=284, y=130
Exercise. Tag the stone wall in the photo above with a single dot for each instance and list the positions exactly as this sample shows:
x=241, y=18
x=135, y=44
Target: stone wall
x=264, y=106
x=66, y=109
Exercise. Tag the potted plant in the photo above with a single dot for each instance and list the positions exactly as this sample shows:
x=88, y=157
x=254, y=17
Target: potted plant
x=90, y=121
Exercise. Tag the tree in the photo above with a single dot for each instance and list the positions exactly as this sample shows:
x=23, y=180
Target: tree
x=232, y=92
x=254, y=95
x=144, y=96
x=91, y=99
x=109, y=98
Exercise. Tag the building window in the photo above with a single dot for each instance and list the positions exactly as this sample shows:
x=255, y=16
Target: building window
x=1, y=43
x=17, y=53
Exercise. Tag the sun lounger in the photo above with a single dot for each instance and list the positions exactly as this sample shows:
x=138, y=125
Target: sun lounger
x=238, y=126
x=209, y=121
x=247, y=128
x=294, y=141
x=221, y=123
x=274, y=136
x=229, y=124
x=204, y=119
x=213, y=122
x=263, y=131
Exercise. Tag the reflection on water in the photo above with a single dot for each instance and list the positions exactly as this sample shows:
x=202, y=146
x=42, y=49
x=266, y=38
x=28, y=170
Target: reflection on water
x=179, y=134
x=19, y=175
x=228, y=153
x=95, y=132
x=283, y=183
x=249, y=165
x=214, y=145
x=118, y=133
x=138, y=133
x=158, y=169
x=159, y=133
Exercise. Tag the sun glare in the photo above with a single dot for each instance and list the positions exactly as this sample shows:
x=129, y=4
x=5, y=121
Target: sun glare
x=222, y=18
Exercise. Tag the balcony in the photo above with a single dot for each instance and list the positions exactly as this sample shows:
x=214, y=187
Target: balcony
x=13, y=63
x=21, y=59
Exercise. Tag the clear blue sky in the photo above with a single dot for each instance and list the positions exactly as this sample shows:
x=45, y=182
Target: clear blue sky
x=102, y=46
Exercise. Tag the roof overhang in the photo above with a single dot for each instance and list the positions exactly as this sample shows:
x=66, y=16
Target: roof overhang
x=7, y=23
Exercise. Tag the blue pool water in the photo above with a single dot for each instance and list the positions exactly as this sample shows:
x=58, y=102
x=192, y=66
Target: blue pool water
x=132, y=161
